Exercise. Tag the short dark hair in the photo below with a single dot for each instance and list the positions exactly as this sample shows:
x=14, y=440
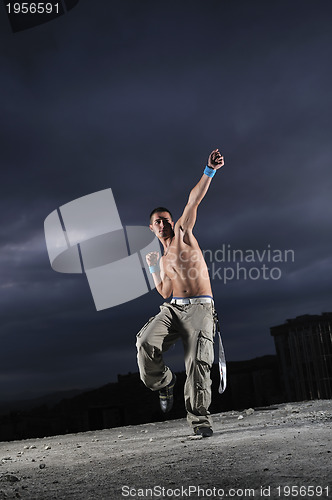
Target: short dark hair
x=160, y=209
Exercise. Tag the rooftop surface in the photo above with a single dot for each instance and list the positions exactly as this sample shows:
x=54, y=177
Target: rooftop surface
x=282, y=451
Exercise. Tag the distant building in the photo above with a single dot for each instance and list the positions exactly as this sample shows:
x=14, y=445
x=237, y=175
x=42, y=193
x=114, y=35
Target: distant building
x=304, y=350
x=251, y=383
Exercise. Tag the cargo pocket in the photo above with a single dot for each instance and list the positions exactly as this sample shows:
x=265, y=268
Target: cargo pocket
x=142, y=330
x=205, y=352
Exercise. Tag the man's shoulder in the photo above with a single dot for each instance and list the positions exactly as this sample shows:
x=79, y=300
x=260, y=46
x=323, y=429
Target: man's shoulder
x=184, y=237
x=178, y=227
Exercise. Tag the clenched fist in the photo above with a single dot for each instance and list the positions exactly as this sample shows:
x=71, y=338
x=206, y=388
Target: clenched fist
x=152, y=258
x=215, y=160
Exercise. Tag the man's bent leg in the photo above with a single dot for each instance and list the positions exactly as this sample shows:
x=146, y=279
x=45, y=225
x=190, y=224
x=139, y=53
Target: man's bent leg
x=155, y=337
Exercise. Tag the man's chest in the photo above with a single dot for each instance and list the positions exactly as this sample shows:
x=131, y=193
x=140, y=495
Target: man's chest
x=181, y=257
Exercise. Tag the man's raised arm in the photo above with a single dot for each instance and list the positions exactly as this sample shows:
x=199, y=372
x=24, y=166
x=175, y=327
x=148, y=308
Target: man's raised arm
x=188, y=218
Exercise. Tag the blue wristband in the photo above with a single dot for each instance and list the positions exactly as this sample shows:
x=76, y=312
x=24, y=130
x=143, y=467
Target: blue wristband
x=153, y=269
x=210, y=172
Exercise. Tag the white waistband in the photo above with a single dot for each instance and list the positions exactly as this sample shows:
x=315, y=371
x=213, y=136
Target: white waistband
x=193, y=300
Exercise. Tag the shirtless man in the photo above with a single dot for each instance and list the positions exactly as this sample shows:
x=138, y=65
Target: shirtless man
x=190, y=315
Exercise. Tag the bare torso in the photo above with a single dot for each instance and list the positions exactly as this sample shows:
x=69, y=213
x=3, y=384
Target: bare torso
x=183, y=263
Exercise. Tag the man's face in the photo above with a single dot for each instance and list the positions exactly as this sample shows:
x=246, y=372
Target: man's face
x=162, y=225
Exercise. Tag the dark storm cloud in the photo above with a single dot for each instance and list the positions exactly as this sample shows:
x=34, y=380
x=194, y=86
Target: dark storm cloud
x=133, y=97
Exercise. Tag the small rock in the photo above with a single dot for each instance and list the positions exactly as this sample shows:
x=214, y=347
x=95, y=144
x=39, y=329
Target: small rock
x=42, y=466
x=150, y=440
x=250, y=411
x=10, y=478
x=240, y=417
x=47, y=447
x=32, y=447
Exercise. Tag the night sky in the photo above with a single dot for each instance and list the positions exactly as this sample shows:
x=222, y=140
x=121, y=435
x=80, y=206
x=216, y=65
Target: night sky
x=133, y=96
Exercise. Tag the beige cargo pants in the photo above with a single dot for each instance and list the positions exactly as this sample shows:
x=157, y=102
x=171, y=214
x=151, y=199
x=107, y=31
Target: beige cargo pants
x=194, y=324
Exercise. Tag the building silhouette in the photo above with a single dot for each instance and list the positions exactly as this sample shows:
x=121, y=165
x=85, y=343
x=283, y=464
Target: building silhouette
x=251, y=383
x=304, y=350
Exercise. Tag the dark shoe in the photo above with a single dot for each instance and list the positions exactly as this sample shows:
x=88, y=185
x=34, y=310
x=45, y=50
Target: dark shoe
x=166, y=396
x=205, y=432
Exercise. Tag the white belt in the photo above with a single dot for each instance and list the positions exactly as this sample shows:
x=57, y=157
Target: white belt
x=192, y=300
